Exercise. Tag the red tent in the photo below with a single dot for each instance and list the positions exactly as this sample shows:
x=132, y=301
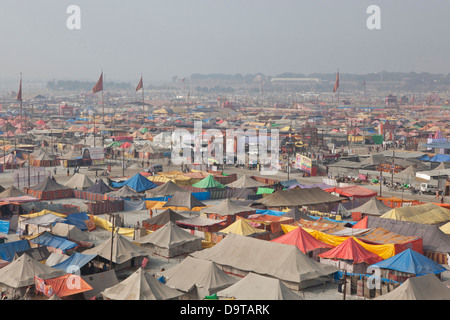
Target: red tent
x=40, y=123
x=354, y=191
x=125, y=145
x=361, y=224
x=302, y=240
x=352, y=250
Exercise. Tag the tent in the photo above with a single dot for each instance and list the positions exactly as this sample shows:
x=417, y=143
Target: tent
x=99, y=187
x=240, y=255
x=11, y=161
x=99, y=282
x=243, y=228
x=426, y=287
x=67, y=285
x=354, y=191
x=373, y=207
x=298, y=198
x=79, y=181
x=74, y=262
x=428, y=213
x=411, y=262
x=9, y=249
x=141, y=285
x=205, y=278
x=161, y=219
x=49, y=189
x=138, y=182
x=184, y=200
x=124, y=192
x=56, y=243
x=39, y=223
x=171, y=241
x=11, y=192
x=245, y=182
x=166, y=189
x=69, y=231
x=21, y=272
x=257, y=287
x=208, y=183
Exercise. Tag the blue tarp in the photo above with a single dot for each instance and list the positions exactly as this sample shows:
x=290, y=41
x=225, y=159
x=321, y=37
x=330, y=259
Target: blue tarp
x=138, y=182
x=270, y=212
x=202, y=196
x=75, y=262
x=8, y=249
x=424, y=158
x=4, y=226
x=289, y=183
x=49, y=240
x=78, y=220
x=440, y=158
x=411, y=261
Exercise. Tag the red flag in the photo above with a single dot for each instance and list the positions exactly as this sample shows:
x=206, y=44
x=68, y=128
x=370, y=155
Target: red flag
x=19, y=95
x=140, y=85
x=336, y=84
x=99, y=85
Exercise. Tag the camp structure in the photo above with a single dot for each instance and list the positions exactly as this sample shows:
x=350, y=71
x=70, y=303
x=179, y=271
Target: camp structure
x=20, y=273
x=373, y=207
x=11, y=192
x=240, y=227
x=239, y=255
x=305, y=242
x=42, y=158
x=299, y=197
x=121, y=252
x=208, y=183
x=227, y=209
x=100, y=187
x=350, y=256
x=99, y=282
x=34, y=224
x=184, y=200
x=11, y=161
x=245, y=182
x=141, y=285
x=296, y=214
x=205, y=278
x=68, y=231
x=427, y=213
x=170, y=241
x=257, y=287
x=124, y=192
x=76, y=263
x=426, y=287
x=66, y=287
x=79, y=181
x=161, y=219
x=242, y=194
x=49, y=189
x=407, y=264
x=166, y=189
x=138, y=182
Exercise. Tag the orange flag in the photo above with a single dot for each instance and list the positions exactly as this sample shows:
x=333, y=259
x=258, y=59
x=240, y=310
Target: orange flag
x=140, y=85
x=19, y=95
x=99, y=85
x=336, y=84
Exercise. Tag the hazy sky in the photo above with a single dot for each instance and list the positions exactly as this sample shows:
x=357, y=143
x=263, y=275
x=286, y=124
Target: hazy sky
x=164, y=38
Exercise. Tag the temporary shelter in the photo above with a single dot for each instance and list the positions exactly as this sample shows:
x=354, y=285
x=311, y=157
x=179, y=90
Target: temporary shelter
x=99, y=282
x=171, y=241
x=99, y=187
x=124, y=192
x=428, y=213
x=245, y=182
x=141, y=285
x=11, y=192
x=227, y=209
x=79, y=181
x=208, y=183
x=166, y=189
x=69, y=231
x=373, y=207
x=184, y=200
x=205, y=278
x=138, y=182
x=257, y=287
x=54, y=243
x=161, y=219
x=426, y=287
x=67, y=285
x=74, y=263
x=49, y=189
x=240, y=255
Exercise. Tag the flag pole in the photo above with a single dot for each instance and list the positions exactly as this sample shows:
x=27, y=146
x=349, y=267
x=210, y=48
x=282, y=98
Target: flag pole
x=143, y=101
x=103, y=102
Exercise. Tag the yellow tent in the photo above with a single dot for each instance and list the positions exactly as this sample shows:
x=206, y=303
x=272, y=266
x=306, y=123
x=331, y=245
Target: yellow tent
x=385, y=251
x=428, y=213
x=241, y=227
x=105, y=224
x=42, y=213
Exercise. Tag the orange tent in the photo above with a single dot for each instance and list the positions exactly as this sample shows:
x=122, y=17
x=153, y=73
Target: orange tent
x=67, y=285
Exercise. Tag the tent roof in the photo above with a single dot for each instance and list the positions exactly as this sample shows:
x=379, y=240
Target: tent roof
x=208, y=182
x=245, y=182
x=410, y=261
x=299, y=197
x=227, y=207
x=11, y=192
x=138, y=182
x=428, y=213
x=141, y=285
x=202, y=273
x=99, y=187
x=166, y=189
x=427, y=287
x=74, y=262
x=351, y=250
x=164, y=217
x=168, y=236
x=124, y=192
x=372, y=207
x=241, y=227
x=302, y=240
x=49, y=184
x=354, y=191
x=257, y=287
x=255, y=255
x=79, y=181
x=69, y=231
x=184, y=199
x=61, y=289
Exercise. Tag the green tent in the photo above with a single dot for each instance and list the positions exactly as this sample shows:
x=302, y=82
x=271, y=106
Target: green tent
x=143, y=130
x=377, y=139
x=208, y=182
x=262, y=190
x=114, y=144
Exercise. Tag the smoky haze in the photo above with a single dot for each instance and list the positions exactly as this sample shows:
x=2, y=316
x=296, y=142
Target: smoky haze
x=181, y=37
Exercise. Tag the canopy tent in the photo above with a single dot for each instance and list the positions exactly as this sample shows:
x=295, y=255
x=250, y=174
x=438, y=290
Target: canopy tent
x=257, y=287
x=69, y=231
x=246, y=181
x=124, y=192
x=184, y=200
x=299, y=197
x=205, y=277
x=171, y=241
x=138, y=182
x=227, y=207
x=11, y=192
x=161, y=219
x=141, y=285
x=166, y=189
x=79, y=181
x=243, y=228
x=21, y=272
x=354, y=191
x=428, y=213
x=426, y=287
x=208, y=183
x=353, y=251
x=241, y=255
x=302, y=240
x=412, y=262
x=373, y=207
x=49, y=189
x=99, y=187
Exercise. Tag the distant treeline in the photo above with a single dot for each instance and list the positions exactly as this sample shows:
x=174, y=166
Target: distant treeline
x=73, y=85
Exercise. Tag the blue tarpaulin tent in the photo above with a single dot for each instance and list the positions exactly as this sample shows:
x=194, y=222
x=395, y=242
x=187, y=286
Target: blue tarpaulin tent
x=75, y=262
x=411, y=261
x=138, y=182
x=50, y=240
x=8, y=249
x=440, y=158
x=78, y=220
x=4, y=226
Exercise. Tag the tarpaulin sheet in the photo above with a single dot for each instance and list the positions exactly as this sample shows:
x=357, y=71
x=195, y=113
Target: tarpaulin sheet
x=134, y=205
x=159, y=206
x=49, y=240
x=75, y=262
x=8, y=249
x=105, y=224
x=4, y=226
x=385, y=251
x=67, y=285
x=78, y=220
x=350, y=249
